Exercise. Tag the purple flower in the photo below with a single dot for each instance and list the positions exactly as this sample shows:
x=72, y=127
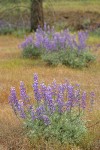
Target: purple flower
x=40, y=111
x=54, y=98
x=36, y=88
x=82, y=38
x=49, y=40
x=20, y=109
x=70, y=97
x=17, y=106
x=43, y=94
x=13, y=98
x=46, y=120
x=23, y=95
x=28, y=42
x=32, y=113
x=49, y=99
x=60, y=98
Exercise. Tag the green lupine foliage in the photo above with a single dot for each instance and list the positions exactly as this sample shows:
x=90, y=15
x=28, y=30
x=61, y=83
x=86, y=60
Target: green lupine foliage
x=69, y=58
x=66, y=128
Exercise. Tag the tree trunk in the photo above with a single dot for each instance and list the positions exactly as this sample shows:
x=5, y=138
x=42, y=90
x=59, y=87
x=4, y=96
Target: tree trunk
x=36, y=14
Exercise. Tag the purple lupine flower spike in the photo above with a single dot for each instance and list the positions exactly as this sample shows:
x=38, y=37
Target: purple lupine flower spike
x=46, y=120
x=50, y=40
x=36, y=88
x=16, y=105
x=28, y=41
x=21, y=110
x=60, y=98
x=49, y=99
x=13, y=98
x=70, y=97
x=40, y=111
x=32, y=113
x=23, y=95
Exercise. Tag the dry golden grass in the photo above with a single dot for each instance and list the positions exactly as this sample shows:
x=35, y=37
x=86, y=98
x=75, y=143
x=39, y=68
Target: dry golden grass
x=13, y=69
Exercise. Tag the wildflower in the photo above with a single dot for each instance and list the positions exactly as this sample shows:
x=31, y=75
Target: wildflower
x=36, y=88
x=23, y=94
x=46, y=119
x=49, y=99
x=50, y=40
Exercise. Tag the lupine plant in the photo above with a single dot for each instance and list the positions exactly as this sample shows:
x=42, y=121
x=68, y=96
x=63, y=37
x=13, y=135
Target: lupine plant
x=58, y=47
x=57, y=111
x=50, y=40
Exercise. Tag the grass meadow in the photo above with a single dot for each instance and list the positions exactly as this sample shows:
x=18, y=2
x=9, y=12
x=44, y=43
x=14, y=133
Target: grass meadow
x=14, y=68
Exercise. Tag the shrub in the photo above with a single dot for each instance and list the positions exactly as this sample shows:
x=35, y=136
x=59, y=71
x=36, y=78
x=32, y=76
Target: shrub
x=21, y=32
x=51, y=41
x=52, y=58
x=58, y=47
x=69, y=58
x=29, y=50
x=6, y=30
x=56, y=114
x=77, y=60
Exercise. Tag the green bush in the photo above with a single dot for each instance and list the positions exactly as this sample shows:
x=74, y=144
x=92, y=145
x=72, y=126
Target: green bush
x=31, y=52
x=59, y=47
x=20, y=33
x=5, y=31
x=51, y=58
x=71, y=128
x=69, y=58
